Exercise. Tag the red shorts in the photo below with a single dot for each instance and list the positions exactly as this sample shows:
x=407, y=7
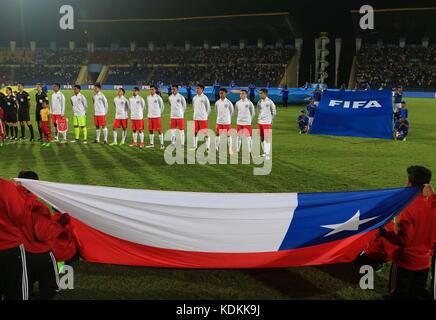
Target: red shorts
x=246, y=130
x=100, y=121
x=2, y=132
x=201, y=125
x=177, y=124
x=264, y=130
x=120, y=123
x=223, y=128
x=137, y=125
x=55, y=118
x=46, y=130
x=154, y=124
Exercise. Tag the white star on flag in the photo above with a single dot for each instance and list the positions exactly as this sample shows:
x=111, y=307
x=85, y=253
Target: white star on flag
x=351, y=224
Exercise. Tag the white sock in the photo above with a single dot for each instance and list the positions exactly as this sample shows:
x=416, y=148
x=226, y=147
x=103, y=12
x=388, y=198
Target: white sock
x=97, y=134
x=208, y=142
x=267, y=147
x=123, y=137
x=105, y=134
x=65, y=135
x=239, y=143
x=182, y=137
x=217, y=142
x=195, y=142
x=250, y=143
x=173, y=136
x=161, y=139
x=115, y=136
x=141, y=137
x=135, y=137
x=151, y=138
x=229, y=142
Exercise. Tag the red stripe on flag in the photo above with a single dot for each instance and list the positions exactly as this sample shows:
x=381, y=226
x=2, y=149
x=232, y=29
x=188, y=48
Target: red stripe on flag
x=96, y=246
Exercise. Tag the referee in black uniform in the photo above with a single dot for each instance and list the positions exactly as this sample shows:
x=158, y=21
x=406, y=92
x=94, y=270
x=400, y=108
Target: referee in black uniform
x=40, y=97
x=23, y=101
x=10, y=109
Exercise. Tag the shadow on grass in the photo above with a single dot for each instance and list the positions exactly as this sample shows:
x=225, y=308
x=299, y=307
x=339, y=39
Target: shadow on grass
x=287, y=282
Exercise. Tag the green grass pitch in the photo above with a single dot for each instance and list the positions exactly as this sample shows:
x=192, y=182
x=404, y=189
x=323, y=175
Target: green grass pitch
x=302, y=163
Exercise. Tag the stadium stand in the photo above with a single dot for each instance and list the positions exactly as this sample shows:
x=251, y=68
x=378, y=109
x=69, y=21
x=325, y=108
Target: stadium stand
x=413, y=67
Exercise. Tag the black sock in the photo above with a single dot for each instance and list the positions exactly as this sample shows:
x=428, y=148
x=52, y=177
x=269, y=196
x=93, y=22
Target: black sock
x=23, y=131
x=40, y=132
x=32, y=135
x=6, y=130
x=16, y=132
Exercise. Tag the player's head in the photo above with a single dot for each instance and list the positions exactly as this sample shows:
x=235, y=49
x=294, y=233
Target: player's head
x=175, y=89
x=303, y=112
x=20, y=86
x=310, y=100
x=243, y=94
x=44, y=104
x=403, y=104
x=56, y=87
x=97, y=87
x=77, y=89
x=121, y=92
x=38, y=87
x=153, y=89
x=263, y=93
x=135, y=91
x=30, y=175
x=418, y=176
x=200, y=88
x=223, y=93
x=9, y=91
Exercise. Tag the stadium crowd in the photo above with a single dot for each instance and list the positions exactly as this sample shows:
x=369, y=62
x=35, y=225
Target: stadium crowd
x=390, y=66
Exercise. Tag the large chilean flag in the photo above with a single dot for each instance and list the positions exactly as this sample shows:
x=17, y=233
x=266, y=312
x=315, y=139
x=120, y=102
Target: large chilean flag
x=221, y=230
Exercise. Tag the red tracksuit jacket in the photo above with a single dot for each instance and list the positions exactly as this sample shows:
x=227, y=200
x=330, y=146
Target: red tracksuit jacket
x=416, y=234
x=39, y=231
x=13, y=214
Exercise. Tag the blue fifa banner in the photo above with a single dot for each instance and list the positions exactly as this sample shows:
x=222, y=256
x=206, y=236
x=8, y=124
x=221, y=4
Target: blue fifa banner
x=366, y=114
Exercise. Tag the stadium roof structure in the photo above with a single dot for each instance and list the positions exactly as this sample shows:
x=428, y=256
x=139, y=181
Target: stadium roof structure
x=175, y=21
x=393, y=23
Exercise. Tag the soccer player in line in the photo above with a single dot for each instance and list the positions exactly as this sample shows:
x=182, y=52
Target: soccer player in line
x=177, y=115
x=303, y=122
x=80, y=105
x=137, y=107
x=267, y=112
x=2, y=129
x=24, y=104
x=101, y=108
x=201, y=106
x=57, y=107
x=155, y=109
x=10, y=109
x=245, y=113
x=317, y=95
x=224, y=111
x=40, y=97
x=121, y=116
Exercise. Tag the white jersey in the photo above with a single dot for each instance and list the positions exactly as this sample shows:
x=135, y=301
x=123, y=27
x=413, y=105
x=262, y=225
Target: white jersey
x=137, y=106
x=178, y=106
x=267, y=111
x=101, y=107
x=245, y=109
x=155, y=106
x=224, y=111
x=121, y=107
x=201, y=107
x=79, y=104
x=57, y=106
